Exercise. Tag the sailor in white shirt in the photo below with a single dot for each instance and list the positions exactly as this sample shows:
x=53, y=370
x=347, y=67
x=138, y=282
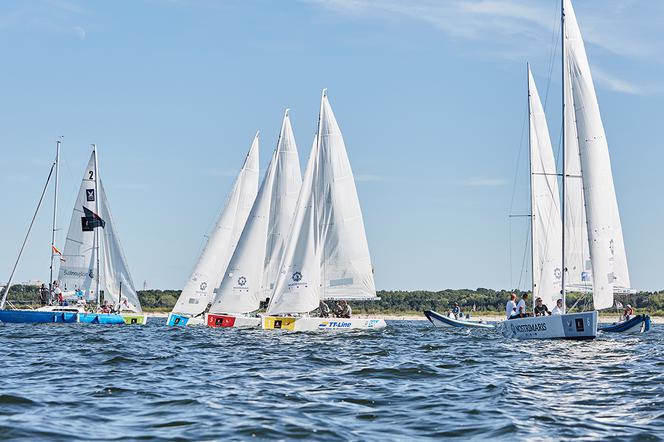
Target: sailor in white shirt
x=521, y=306
x=510, y=307
x=558, y=309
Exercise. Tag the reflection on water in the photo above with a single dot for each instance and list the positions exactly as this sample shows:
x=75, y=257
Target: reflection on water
x=411, y=380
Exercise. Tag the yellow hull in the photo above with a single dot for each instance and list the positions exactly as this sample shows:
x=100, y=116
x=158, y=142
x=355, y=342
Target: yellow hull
x=279, y=323
x=131, y=318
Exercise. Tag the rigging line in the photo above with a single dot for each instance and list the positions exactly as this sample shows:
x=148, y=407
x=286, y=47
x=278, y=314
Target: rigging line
x=25, y=240
x=518, y=159
x=554, y=46
x=524, y=261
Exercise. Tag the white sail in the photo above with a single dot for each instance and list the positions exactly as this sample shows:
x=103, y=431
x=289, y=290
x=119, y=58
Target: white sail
x=116, y=280
x=607, y=249
x=546, y=221
x=212, y=263
x=78, y=270
x=261, y=244
x=327, y=255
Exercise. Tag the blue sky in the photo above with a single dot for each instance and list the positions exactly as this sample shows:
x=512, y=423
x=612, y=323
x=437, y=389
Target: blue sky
x=430, y=96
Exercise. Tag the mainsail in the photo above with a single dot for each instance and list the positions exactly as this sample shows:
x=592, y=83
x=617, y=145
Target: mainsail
x=545, y=202
x=116, y=280
x=327, y=255
x=253, y=266
x=212, y=263
x=604, y=230
x=78, y=270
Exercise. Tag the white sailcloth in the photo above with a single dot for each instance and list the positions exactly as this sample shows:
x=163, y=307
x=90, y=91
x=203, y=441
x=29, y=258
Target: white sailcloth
x=546, y=221
x=212, y=263
x=327, y=255
x=607, y=249
x=116, y=280
x=78, y=270
x=261, y=244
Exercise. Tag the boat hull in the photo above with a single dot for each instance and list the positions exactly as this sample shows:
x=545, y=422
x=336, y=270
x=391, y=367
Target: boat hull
x=216, y=320
x=316, y=324
x=134, y=318
x=178, y=320
x=638, y=324
x=49, y=317
x=568, y=326
x=441, y=321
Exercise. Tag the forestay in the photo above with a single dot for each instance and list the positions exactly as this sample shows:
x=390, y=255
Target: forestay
x=212, y=263
x=546, y=221
x=607, y=250
x=116, y=280
x=327, y=255
x=78, y=265
x=254, y=264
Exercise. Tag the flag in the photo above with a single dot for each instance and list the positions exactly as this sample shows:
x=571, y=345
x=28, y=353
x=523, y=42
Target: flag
x=91, y=220
x=58, y=252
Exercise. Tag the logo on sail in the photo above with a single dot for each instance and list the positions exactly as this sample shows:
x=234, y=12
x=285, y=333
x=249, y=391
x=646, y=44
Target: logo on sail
x=557, y=273
x=297, y=277
x=241, y=281
x=90, y=194
x=203, y=285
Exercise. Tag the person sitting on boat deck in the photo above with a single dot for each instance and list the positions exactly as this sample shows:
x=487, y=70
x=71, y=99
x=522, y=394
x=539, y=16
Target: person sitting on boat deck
x=510, y=307
x=456, y=310
x=628, y=313
x=540, y=308
x=104, y=308
x=323, y=309
x=43, y=295
x=344, y=310
x=79, y=293
x=521, y=309
x=558, y=309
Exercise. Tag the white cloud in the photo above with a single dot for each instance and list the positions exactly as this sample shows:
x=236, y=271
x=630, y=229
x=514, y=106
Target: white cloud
x=615, y=84
x=80, y=32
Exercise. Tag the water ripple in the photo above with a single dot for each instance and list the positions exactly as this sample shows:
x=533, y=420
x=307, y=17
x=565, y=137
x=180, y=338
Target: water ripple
x=70, y=382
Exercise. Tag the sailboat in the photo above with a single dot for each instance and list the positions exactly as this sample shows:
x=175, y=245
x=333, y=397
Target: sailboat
x=198, y=292
x=94, y=266
x=87, y=230
x=590, y=209
x=326, y=255
x=253, y=267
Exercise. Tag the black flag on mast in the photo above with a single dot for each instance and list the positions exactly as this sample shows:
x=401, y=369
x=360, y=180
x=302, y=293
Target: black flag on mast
x=91, y=220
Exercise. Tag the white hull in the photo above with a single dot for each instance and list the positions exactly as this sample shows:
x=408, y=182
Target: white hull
x=316, y=324
x=569, y=326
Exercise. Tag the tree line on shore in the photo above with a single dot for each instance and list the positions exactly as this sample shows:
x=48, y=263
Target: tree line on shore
x=398, y=301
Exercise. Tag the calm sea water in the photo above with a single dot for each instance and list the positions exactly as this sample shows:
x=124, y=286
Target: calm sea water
x=69, y=382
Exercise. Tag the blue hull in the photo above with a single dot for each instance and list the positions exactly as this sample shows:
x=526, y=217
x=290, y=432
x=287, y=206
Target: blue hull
x=638, y=324
x=37, y=317
x=177, y=320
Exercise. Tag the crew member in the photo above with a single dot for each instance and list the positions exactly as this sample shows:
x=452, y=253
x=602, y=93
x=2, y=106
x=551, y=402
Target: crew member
x=323, y=309
x=558, y=309
x=510, y=307
x=456, y=310
x=521, y=306
x=540, y=308
x=628, y=313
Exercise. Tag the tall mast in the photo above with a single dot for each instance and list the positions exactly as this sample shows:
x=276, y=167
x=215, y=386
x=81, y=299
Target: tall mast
x=55, y=213
x=318, y=142
x=532, y=213
x=96, y=230
x=564, y=181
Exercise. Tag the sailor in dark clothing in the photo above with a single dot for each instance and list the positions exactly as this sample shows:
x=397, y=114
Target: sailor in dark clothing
x=540, y=308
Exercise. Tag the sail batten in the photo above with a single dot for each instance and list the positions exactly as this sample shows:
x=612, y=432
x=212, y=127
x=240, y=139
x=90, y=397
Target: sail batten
x=212, y=262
